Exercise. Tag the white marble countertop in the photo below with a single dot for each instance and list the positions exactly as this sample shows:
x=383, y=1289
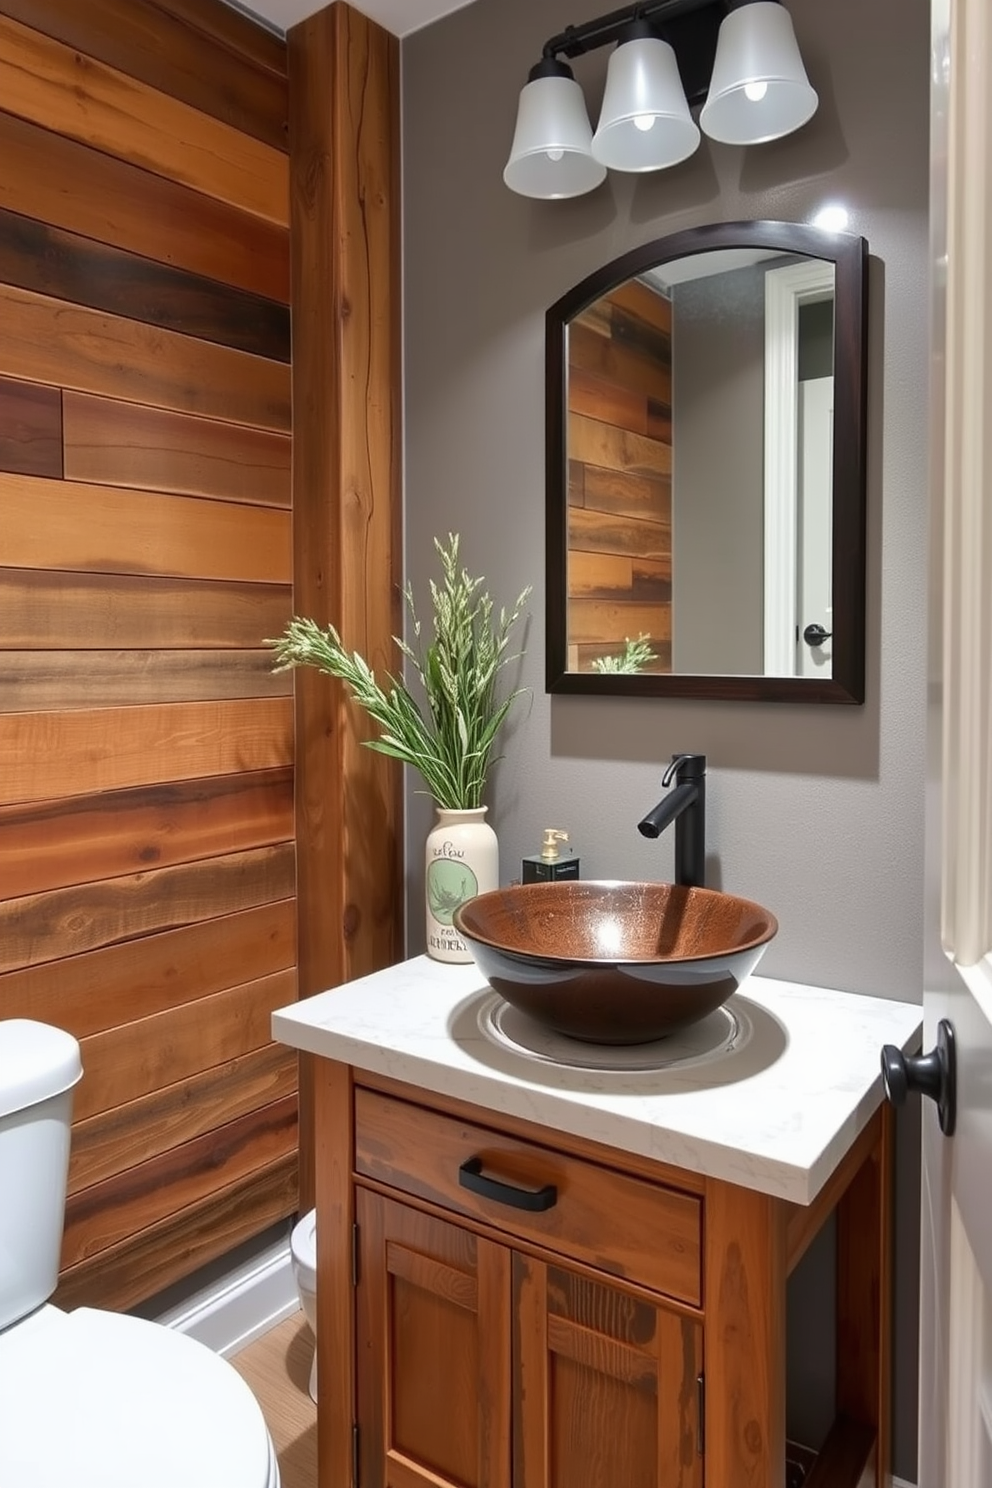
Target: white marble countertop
x=777, y=1112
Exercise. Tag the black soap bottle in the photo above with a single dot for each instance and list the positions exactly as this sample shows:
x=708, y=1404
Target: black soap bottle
x=548, y=866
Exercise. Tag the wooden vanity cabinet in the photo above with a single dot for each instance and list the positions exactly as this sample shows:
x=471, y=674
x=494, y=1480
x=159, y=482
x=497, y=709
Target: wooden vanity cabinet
x=627, y=1330
x=479, y=1366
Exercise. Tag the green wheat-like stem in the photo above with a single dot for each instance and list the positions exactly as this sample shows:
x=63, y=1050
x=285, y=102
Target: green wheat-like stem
x=636, y=654
x=451, y=743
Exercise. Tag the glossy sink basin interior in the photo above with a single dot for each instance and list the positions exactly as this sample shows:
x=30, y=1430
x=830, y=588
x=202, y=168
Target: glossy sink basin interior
x=614, y=963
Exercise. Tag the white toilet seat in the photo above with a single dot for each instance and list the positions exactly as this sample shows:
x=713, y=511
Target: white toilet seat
x=102, y=1400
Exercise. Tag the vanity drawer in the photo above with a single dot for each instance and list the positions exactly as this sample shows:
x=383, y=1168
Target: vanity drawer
x=642, y=1231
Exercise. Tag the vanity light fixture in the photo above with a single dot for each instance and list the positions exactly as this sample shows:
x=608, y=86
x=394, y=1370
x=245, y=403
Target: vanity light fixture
x=739, y=58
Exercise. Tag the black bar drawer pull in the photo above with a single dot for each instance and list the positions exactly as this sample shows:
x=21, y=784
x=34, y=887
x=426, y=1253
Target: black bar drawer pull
x=471, y=1176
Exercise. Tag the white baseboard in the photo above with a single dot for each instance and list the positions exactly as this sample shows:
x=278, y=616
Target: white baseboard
x=241, y=1306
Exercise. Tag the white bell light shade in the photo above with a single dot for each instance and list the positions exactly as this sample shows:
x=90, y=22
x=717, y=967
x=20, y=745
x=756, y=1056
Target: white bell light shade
x=551, y=156
x=644, y=124
x=759, y=89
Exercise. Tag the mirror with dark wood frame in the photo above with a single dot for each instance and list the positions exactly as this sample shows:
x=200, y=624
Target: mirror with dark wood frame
x=706, y=469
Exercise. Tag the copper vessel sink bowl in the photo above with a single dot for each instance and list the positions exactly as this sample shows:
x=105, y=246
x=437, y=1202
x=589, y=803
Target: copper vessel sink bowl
x=614, y=963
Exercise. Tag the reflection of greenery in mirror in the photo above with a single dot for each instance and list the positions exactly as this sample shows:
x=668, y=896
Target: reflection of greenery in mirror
x=698, y=519
x=635, y=657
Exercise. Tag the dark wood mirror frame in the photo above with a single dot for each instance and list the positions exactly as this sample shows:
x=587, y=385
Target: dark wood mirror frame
x=849, y=255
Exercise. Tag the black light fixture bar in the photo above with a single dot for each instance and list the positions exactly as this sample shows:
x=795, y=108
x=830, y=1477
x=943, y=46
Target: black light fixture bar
x=690, y=26
x=574, y=41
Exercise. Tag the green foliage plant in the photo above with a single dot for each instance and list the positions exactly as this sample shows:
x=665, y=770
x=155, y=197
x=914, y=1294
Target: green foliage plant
x=451, y=741
x=636, y=654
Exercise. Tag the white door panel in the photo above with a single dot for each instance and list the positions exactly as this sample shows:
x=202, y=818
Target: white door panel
x=956, y=1342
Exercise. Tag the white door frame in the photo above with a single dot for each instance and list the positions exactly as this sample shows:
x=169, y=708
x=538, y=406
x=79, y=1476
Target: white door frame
x=785, y=290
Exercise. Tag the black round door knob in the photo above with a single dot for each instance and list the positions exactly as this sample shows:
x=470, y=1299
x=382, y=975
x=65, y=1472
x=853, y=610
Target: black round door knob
x=815, y=635
x=933, y=1075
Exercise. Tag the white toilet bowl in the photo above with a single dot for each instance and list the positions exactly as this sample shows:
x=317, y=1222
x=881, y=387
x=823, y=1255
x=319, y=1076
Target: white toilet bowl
x=103, y=1400
x=303, y=1245
x=92, y=1399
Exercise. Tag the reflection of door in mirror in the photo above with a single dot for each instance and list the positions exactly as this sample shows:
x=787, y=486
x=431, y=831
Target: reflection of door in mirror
x=619, y=483
x=814, y=599
x=799, y=476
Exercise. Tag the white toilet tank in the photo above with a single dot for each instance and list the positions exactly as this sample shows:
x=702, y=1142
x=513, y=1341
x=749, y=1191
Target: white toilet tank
x=39, y=1065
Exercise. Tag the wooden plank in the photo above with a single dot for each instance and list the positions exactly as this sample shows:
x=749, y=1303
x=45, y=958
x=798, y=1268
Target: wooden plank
x=114, y=202
x=627, y=495
x=598, y=398
x=151, y=449
x=593, y=575
x=125, y=1136
x=344, y=151
x=333, y=1142
x=109, y=1212
x=45, y=755
x=54, y=844
x=124, y=1065
x=598, y=532
x=239, y=32
x=141, y=39
x=54, y=680
x=39, y=681
x=607, y=576
x=659, y=420
x=144, y=1264
x=54, y=610
x=67, y=266
x=606, y=358
x=631, y=330
x=864, y=1304
x=42, y=928
x=57, y=87
x=640, y=300
x=744, y=1337
x=88, y=993
x=600, y=621
x=48, y=340
x=109, y=529
x=30, y=428
x=597, y=443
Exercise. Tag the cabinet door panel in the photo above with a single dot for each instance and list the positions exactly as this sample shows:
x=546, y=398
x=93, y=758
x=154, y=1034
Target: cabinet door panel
x=433, y=1332
x=605, y=1388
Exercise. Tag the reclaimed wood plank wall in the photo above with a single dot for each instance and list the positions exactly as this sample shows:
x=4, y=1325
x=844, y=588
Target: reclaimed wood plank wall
x=620, y=477
x=147, y=874
x=345, y=215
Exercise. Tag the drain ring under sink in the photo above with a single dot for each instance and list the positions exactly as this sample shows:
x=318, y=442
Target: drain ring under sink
x=722, y=1032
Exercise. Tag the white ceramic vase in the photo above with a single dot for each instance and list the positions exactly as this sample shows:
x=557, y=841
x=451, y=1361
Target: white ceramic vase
x=462, y=860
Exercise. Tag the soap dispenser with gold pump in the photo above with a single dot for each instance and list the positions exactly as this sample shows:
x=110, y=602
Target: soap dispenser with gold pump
x=549, y=866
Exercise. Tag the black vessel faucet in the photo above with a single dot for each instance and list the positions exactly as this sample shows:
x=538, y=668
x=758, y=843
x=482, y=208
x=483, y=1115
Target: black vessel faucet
x=686, y=807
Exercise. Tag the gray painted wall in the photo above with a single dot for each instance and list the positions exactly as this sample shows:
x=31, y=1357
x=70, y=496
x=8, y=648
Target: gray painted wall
x=718, y=412
x=815, y=811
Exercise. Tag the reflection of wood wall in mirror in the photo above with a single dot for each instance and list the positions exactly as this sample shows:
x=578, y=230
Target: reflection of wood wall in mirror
x=619, y=477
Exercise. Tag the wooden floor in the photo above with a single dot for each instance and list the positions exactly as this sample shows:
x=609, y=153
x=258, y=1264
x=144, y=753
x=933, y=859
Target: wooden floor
x=277, y=1367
